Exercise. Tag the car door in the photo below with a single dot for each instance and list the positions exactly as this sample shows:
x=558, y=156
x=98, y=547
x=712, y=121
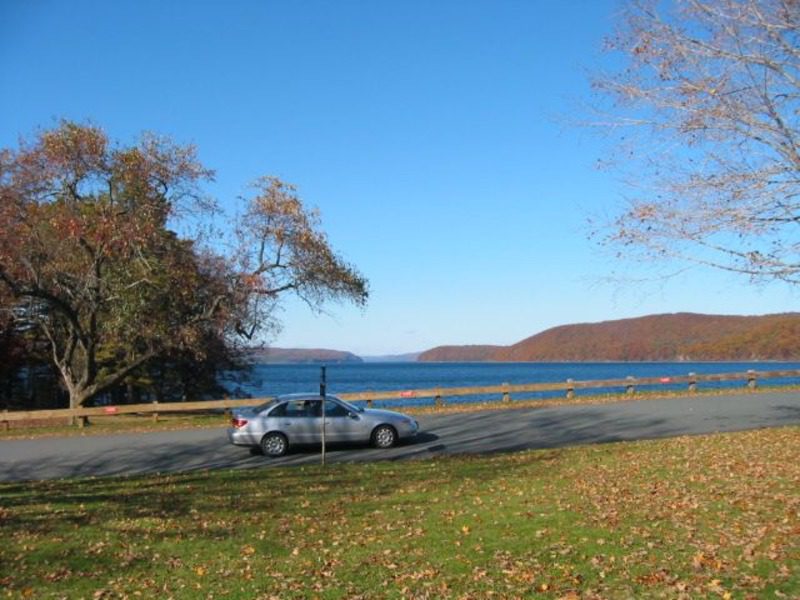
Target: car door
x=298, y=419
x=341, y=425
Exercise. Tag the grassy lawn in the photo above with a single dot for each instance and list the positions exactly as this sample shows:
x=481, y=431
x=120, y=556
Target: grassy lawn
x=709, y=516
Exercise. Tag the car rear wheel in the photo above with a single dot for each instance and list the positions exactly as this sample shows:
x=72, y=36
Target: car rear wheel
x=274, y=444
x=384, y=436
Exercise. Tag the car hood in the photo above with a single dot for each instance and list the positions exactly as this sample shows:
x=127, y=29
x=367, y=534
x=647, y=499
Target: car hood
x=378, y=413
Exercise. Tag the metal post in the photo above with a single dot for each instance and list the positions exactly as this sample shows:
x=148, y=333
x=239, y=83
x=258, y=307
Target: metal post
x=692, y=383
x=322, y=391
x=751, y=379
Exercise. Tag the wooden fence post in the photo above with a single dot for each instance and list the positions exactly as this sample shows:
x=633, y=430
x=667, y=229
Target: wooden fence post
x=751, y=379
x=692, y=382
x=570, y=389
x=631, y=387
x=155, y=414
x=6, y=424
x=506, y=393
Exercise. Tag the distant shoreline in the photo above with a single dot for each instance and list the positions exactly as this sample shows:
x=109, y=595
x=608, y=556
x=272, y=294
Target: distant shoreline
x=665, y=338
x=366, y=361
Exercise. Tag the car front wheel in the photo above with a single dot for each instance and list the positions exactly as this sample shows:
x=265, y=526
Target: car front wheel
x=274, y=444
x=384, y=436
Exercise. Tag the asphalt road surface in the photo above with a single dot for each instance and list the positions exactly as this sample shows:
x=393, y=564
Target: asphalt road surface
x=466, y=433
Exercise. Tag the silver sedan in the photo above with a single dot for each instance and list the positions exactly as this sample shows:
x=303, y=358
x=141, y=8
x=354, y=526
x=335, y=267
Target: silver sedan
x=297, y=419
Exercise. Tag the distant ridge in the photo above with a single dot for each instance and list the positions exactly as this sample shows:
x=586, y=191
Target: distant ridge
x=666, y=337
x=393, y=358
x=302, y=355
x=460, y=354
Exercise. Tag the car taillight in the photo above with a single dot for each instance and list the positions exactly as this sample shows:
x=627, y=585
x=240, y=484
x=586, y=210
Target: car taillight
x=238, y=422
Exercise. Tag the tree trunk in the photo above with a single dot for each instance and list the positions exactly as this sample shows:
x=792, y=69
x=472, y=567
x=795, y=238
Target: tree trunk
x=77, y=398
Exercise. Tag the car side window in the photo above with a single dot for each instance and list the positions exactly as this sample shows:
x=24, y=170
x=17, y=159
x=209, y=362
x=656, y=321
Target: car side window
x=278, y=411
x=313, y=408
x=334, y=409
x=294, y=409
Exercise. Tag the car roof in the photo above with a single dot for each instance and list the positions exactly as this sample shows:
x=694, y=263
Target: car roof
x=302, y=396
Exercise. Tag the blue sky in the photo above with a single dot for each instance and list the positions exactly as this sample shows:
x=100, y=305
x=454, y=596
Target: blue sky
x=436, y=138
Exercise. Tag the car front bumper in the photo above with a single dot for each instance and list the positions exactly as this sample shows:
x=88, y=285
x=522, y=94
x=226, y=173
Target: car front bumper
x=407, y=429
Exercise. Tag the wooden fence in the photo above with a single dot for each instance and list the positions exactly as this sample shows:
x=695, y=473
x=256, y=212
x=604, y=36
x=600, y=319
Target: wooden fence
x=569, y=387
x=439, y=394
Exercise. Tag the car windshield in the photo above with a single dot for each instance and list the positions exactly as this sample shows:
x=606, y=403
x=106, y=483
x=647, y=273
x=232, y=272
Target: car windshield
x=351, y=407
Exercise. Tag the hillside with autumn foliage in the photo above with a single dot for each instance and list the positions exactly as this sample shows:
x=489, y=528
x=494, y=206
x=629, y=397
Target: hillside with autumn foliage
x=668, y=337
x=460, y=354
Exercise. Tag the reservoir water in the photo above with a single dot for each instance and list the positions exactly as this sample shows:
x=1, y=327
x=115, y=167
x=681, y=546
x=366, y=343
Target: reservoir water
x=274, y=379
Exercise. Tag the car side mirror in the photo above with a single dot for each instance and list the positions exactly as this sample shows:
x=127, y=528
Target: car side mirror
x=353, y=416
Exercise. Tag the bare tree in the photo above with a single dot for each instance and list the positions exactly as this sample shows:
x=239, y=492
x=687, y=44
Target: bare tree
x=708, y=103
x=282, y=248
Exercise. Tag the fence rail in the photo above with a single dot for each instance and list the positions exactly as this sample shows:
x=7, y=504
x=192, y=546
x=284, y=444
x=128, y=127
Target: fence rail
x=629, y=384
x=504, y=391
x=124, y=409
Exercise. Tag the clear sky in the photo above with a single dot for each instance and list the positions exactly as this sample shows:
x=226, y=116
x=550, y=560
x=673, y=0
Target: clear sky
x=436, y=138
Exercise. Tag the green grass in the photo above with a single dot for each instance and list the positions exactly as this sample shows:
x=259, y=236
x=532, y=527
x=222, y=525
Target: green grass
x=708, y=516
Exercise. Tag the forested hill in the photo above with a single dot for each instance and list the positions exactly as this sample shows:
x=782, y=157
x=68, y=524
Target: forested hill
x=681, y=336
x=460, y=354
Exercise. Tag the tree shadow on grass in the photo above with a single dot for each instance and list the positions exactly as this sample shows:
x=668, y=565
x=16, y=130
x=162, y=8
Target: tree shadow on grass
x=197, y=504
x=149, y=505
x=172, y=493
x=472, y=433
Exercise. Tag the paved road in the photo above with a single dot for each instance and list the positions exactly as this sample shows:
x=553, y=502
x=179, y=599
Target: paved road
x=484, y=432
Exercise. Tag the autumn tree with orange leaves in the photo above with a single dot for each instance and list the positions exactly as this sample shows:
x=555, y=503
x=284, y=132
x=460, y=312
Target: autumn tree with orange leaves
x=707, y=105
x=89, y=255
